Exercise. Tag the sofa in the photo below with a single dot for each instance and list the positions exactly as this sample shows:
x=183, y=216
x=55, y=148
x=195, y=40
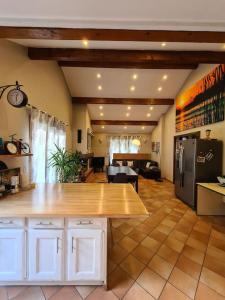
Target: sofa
x=147, y=168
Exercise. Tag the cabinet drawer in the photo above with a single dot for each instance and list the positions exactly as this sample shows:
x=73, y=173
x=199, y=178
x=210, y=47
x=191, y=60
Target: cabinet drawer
x=46, y=223
x=12, y=222
x=86, y=222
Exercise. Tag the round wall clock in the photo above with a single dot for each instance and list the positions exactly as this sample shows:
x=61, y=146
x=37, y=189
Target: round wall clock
x=11, y=148
x=17, y=98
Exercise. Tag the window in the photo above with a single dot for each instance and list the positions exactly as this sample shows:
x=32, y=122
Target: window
x=123, y=144
x=46, y=132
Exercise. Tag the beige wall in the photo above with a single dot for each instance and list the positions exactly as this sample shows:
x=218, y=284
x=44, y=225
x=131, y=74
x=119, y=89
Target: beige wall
x=46, y=89
x=157, y=136
x=218, y=129
x=100, y=145
x=81, y=120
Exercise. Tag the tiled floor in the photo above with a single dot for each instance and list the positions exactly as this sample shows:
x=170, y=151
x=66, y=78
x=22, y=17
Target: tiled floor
x=170, y=255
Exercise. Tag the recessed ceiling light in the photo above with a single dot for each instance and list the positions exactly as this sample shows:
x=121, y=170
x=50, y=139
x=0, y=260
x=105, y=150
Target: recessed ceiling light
x=127, y=114
x=151, y=107
x=125, y=127
x=129, y=107
x=85, y=42
x=132, y=88
x=165, y=77
x=143, y=127
x=101, y=107
x=99, y=75
x=163, y=44
x=135, y=76
x=159, y=88
x=148, y=115
x=101, y=114
x=99, y=87
x=103, y=127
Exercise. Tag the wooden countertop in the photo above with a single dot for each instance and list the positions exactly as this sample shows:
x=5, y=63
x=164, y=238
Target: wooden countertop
x=78, y=200
x=215, y=187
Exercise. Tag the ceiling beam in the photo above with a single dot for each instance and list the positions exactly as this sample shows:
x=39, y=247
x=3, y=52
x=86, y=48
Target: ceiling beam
x=129, y=58
x=111, y=34
x=120, y=122
x=125, y=101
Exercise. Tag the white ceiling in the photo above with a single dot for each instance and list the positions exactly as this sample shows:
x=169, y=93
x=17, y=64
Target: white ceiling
x=160, y=14
x=120, y=129
x=83, y=82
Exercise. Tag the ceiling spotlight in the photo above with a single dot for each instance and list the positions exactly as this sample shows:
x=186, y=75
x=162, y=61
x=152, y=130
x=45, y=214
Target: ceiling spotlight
x=125, y=127
x=129, y=107
x=163, y=44
x=99, y=87
x=99, y=75
x=132, y=88
x=159, y=88
x=101, y=107
x=165, y=77
x=85, y=42
x=143, y=127
x=127, y=114
x=151, y=107
x=135, y=76
x=101, y=114
x=103, y=127
x=148, y=115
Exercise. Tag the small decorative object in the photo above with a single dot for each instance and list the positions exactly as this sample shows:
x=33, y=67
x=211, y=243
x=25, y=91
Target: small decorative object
x=16, y=146
x=15, y=184
x=16, y=97
x=11, y=147
x=207, y=134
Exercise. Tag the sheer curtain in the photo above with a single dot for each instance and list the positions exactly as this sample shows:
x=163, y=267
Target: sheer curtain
x=46, y=132
x=122, y=144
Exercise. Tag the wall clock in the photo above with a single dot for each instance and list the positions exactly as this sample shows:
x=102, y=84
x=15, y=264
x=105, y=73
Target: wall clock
x=17, y=98
x=11, y=147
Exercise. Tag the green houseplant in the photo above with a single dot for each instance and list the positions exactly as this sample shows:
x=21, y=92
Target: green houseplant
x=68, y=165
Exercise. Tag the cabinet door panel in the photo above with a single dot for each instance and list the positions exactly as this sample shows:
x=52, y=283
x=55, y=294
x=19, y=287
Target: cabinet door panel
x=12, y=254
x=85, y=254
x=45, y=254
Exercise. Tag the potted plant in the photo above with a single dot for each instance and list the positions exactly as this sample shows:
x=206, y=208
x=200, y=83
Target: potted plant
x=67, y=165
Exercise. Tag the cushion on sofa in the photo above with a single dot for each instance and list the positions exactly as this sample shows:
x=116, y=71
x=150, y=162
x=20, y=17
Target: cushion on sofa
x=130, y=163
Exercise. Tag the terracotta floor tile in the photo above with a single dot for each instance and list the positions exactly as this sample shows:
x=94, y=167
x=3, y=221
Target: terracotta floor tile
x=201, y=237
x=137, y=235
x=151, y=282
x=213, y=280
x=217, y=235
x=31, y=293
x=175, y=234
x=168, y=254
x=193, y=254
x=189, y=266
x=125, y=228
x=216, y=252
x=116, y=223
x=171, y=293
x=160, y=266
x=183, y=282
x=169, y=223
x=127, y=243
x=101, y=294
x=110, y=266
x=136, y=292
x=117, y=235
x=132, y=266
x=119, y=282
x=117, y=254
x=214, y=264
x=158, y=235
x=174, y=244
x=205, y=293
x=203, y=227
x=218, y=243
x=143, y=254
x=85, y=290
x=144, y=228
x=14, y=291
x=196, y=244
x=164, y=229
x=151, y=244
x=49, y=291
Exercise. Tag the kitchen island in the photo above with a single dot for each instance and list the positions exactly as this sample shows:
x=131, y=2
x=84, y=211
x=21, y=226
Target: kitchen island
x=57, y=233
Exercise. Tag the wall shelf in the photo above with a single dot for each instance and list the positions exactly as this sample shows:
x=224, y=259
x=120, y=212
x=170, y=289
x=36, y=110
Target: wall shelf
x=14, y=155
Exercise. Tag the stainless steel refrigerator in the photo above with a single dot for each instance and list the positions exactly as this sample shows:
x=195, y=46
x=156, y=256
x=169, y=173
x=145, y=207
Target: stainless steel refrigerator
x=196, y=160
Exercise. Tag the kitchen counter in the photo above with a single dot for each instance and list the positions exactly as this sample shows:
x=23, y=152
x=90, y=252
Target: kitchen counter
x=215, y=187
x=78, y=200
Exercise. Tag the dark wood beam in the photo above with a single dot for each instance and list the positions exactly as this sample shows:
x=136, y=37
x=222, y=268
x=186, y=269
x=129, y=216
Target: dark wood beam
x=127, y=58
x=125, y=101
x=112, y=34
x=120, y=122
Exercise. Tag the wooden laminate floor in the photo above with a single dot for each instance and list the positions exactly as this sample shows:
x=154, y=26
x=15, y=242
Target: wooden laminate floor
x=170, y=255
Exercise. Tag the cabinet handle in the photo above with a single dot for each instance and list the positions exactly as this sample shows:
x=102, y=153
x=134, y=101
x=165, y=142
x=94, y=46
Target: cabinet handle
x=85, y=223
x=45, y=224
x=6, y=223
x=72, y=248
x=25, y=262
x=57, y=245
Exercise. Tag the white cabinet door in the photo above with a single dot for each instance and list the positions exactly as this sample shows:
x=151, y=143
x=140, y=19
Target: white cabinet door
x=45, y=254
x=85, y=251
x=12, y=250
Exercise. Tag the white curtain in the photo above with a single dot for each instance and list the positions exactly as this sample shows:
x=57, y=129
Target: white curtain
x=122, y=144
x=46, y=132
